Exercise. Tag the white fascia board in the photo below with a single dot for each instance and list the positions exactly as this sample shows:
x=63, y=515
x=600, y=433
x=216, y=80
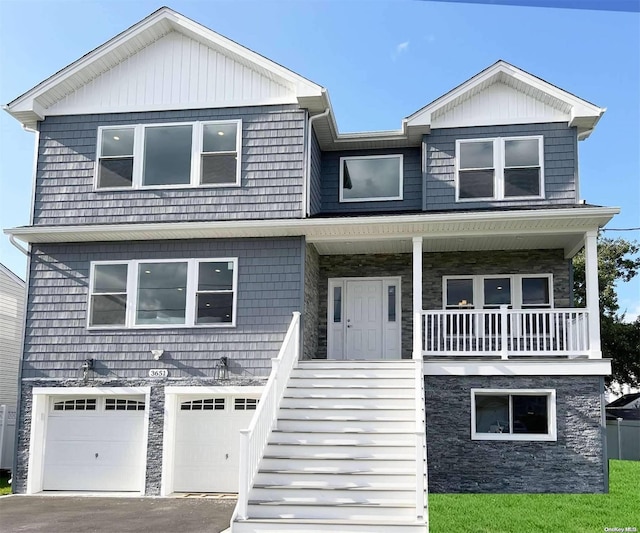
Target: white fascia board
x=319, y=228
x=223, y=389
x=91, y=391
x=581, y=107
x=537, y=367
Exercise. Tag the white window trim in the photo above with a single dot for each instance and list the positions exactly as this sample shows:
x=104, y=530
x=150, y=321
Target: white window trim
x=400, y=158
x=516, y=289
x=552, y=435
x=196, y=155
x=498, y=168
x=192, y=285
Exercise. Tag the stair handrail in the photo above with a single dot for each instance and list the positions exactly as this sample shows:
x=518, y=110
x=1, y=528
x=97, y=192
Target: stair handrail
x=420, y=441
x=253, y=440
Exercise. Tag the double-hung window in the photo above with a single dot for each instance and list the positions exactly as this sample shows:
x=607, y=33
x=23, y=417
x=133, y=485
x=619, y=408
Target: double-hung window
x=193, y=154
x=515, y=414
x=500, y=169
x=371, y=178
x=163, y=293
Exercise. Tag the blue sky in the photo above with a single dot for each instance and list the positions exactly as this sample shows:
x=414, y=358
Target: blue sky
x=380, y=61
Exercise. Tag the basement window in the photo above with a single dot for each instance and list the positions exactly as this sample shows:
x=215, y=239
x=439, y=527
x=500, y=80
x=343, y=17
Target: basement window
x=519, y=414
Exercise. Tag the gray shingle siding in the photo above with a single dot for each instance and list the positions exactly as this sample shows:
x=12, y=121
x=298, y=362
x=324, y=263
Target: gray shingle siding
x=560, y=164
x=315, y=199
x=57, y=340
x=412, y=184
x=271, y=180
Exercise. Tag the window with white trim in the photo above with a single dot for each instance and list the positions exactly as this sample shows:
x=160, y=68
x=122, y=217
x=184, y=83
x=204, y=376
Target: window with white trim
x=500, y=169
x=518, y=291
x=192, y=154
x=513, y=414
x=163, y=293
x=123, y=404
x=76, y=404
x=204, y=404
x=371, y=178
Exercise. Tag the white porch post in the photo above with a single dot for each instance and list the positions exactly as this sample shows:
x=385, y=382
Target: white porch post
x=417, y=297
x=592, y=292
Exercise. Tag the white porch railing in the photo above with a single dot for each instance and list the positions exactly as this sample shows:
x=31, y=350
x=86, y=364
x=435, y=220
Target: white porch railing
x=254, y=439
x=506, y=332
x=420, y=443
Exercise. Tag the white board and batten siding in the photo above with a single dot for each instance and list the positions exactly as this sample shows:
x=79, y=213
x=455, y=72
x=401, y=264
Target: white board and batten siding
x=176, y=72
x=12, y=295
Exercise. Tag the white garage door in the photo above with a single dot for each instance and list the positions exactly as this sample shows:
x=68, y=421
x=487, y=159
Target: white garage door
x=94, y=444
x=207, y=442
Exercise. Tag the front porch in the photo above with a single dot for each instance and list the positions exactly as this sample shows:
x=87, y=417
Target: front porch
x=436, y=301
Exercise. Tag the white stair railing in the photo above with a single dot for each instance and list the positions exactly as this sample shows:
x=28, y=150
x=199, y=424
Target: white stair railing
x=253, y=440
x=420, y=441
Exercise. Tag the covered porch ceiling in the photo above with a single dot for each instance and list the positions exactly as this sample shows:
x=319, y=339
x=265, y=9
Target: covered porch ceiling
x=560, y=228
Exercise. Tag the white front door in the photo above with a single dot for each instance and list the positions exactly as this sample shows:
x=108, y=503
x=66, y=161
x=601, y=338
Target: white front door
x=364, y=318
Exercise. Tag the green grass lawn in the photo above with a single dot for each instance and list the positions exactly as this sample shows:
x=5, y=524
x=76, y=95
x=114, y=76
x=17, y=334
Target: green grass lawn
x=5, y=488
x=533, y=513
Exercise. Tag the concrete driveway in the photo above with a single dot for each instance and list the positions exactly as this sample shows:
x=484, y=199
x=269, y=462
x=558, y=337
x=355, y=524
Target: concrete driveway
x=73, y=514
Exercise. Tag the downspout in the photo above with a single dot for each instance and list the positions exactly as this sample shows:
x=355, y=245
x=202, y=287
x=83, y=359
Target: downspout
x=306, y=196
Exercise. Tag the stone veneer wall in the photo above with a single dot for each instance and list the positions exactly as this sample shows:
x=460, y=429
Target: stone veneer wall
x=439, y=264
x=382, y=265
x=311, y=305
x=573, y=464
x=156, y=419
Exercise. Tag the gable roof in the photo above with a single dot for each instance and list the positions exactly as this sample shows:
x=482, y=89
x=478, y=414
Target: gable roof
x=624, y=401
x=39, y=101
x=483, y=97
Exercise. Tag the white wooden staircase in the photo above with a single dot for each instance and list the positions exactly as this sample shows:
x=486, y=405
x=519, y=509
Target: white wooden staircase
x=346, y=453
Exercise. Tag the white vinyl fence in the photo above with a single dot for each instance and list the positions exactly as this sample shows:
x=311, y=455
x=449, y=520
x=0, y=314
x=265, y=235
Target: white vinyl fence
x=623, y=439
x=7, y=433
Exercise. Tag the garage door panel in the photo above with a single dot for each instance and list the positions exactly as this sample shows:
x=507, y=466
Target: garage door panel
x=207, y=445
x=100, y=450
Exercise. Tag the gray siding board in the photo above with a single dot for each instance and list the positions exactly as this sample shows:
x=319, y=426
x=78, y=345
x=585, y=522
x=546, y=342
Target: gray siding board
x=315, y=192
x=57, y=339
x=271, y=175
x=560, y=164
x=412, y=184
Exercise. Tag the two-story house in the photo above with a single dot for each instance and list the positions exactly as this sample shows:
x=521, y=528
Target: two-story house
x=199, y=225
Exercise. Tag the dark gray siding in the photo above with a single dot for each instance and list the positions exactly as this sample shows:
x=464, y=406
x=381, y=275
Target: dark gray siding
x=271, y=181
x=574, y=463
x=311, y=301
x=315, y=198
x=412, y=184
x=57, y=340
x=560, y=164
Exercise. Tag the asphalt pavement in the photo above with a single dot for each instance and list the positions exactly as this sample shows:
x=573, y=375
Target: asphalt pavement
x=88, y=514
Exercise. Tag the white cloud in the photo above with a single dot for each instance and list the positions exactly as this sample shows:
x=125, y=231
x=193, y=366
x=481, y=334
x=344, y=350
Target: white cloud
x=631, y=313
x=400, y=49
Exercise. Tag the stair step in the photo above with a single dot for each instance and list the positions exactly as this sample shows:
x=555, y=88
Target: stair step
x=342, y=364
x=363, y=404
x=348, y=511
x=363, y=373
x=354, y=454
x=354, y=382
x=350, y=485
x=316, y=496
x=331, y=438
x=329, y=451
x=284, y=525
x=346, y=426
x=349, y=393
x=338, y=466
x=304, y=413
x=295, y=478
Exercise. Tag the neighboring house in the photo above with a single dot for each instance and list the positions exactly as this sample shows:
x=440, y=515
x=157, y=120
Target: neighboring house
x=11, y=319
x=197, y=213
